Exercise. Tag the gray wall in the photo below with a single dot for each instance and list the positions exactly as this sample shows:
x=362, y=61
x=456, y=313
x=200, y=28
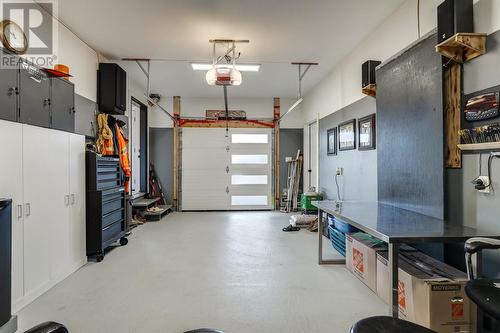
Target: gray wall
x=466, y=205
x=161, y=154
x=291, y=140
x=359, y=181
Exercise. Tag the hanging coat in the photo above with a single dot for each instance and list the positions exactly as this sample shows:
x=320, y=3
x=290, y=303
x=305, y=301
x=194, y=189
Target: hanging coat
x=105, y=140
x=123, y=153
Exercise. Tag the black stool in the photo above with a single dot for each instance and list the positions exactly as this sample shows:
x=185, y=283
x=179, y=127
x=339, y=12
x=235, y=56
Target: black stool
x=387, y=325
x=48, y=327
x=484, y=292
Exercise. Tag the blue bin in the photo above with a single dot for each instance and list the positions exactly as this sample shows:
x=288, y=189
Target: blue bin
x=338, y=239
x=344, y=227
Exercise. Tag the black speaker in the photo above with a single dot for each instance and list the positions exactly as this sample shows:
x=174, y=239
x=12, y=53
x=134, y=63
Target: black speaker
x=454, y=16
x=368, y=70
x=111, y=89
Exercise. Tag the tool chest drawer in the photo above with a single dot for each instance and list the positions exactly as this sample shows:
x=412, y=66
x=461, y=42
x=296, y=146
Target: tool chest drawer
x=112, y=232
x=105, y=220
x=103, y=172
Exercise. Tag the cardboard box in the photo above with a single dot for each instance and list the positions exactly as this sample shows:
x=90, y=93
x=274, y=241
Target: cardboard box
x=361, y=257
x=431, y=293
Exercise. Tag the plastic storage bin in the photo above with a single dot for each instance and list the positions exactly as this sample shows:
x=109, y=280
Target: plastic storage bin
x=338, y=239
x=344, y=227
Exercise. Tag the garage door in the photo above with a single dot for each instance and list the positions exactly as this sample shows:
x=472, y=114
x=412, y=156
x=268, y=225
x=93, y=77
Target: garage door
x=226, y=171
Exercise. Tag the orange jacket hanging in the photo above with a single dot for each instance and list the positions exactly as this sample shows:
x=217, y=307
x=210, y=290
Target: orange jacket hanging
x=124, y=159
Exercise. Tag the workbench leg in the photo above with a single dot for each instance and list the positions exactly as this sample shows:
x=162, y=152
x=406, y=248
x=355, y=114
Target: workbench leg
x=320, y=238
x=479, y=274
x=394, y=279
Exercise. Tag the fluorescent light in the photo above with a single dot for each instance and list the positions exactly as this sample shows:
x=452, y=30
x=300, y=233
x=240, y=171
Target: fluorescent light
x=241, y=68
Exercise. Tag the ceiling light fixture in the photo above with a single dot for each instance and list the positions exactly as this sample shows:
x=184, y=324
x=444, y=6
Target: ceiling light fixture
x=240, y=67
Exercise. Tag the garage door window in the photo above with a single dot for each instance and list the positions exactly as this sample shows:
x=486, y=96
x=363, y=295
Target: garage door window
x=249, y=138
x=249, y=200
x=249, y=159
x=249, y=180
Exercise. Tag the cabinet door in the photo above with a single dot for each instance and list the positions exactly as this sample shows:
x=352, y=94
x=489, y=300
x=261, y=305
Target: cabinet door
x=77, y=248
x=57, y=190
x=39, y=209
x=34, y=96
x=63, y=105
x=8, y=94
x=11, y=186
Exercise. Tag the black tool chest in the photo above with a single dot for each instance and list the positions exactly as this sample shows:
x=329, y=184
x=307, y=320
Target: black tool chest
x=105, y=204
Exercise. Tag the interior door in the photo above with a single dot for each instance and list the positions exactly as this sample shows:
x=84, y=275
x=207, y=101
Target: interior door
x=250, y=169
x=77, y=255
x=39, y=208
x=135, y=151
x=11, y=186
x=205, y=173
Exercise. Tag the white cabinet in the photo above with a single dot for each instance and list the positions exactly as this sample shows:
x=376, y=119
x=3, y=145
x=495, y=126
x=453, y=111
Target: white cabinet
x=44, y=174
x=11, y=186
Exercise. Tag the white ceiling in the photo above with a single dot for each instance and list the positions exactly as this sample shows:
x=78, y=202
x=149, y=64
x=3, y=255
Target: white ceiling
x=176, y=33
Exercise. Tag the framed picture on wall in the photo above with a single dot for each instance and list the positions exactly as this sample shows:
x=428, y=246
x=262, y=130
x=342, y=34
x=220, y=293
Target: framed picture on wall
x=331, y=142
x=347, y=135
x=367, y=134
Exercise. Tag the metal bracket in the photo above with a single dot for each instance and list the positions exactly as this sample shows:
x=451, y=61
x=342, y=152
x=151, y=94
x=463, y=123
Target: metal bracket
x=301, y=76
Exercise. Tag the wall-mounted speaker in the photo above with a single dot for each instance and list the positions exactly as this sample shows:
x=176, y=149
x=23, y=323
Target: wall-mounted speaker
x=111, y=88
x=454, y=16
x=368, y=69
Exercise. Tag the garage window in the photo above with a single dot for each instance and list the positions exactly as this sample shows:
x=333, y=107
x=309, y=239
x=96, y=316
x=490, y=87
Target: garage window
x=249, y=138
x=249, y=180
x=249, y=200
x=249, y=159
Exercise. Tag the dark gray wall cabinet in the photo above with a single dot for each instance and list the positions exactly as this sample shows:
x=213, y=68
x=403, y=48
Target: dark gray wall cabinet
x=111, y=88
x=63, y=105
x=34, y=95
x=8, y=94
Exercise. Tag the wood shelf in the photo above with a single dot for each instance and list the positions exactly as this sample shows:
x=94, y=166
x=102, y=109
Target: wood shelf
x=463, y=47
x=370, y=90
x=480, y=146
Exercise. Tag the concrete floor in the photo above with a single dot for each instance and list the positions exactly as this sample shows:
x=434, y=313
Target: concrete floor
x=237, y=272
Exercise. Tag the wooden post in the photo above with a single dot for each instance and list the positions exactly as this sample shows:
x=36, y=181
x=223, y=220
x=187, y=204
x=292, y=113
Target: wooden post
x=452, y=115
x=177, y=113
x=277, y=164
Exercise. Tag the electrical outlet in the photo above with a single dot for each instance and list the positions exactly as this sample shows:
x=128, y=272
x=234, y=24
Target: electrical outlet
x=340, y=171
x=486, y=182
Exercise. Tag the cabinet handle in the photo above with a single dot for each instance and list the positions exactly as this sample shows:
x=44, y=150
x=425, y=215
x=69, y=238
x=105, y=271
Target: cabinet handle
x=73, y=199
x=227, y=169
x=66, y=200
x=28, y=209
x=227, y=189
x=12, y=91
x=19, y=211
x=46, y=102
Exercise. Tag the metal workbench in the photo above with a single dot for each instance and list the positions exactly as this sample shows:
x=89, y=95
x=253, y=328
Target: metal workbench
x=395, y=226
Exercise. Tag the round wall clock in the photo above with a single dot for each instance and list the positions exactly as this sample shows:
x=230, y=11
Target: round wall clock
x=12, y=37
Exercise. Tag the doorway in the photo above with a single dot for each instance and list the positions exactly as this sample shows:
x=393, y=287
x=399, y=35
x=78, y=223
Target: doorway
x=139, y=147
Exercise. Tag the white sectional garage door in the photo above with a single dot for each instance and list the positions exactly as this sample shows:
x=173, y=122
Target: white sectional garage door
x=226, y=172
